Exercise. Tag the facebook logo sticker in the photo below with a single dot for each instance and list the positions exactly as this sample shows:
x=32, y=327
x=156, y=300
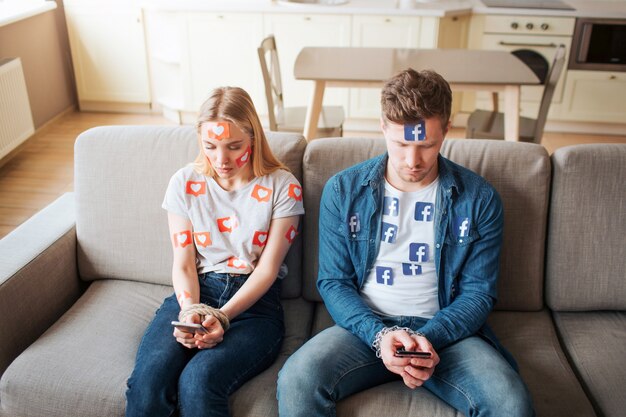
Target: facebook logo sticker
x=424, y=211
x=390, y=207
x=354, y=223
x=415, y=132
x=384, y=275
x=462, y=226
x=418, y=252
x=389, y=233
x=411, y=269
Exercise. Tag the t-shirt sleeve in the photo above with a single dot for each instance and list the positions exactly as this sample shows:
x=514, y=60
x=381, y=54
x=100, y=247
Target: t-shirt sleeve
x=288, y=200
x=174, y=200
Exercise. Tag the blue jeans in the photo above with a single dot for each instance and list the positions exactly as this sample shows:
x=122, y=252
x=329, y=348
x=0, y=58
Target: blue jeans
x=471, y=376
x=197, y=382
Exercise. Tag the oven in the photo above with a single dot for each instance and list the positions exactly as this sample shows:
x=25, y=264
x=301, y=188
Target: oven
x=533, y=39
x=599, y=45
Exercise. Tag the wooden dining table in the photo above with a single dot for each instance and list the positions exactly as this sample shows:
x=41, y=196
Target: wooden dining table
x=498, y=72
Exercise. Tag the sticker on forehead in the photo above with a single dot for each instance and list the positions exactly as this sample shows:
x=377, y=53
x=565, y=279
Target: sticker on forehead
x=415, y=132
x=218, y=130
x=245, y=157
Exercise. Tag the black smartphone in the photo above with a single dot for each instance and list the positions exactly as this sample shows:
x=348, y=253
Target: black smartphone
x=402, y=353
x=189, y=327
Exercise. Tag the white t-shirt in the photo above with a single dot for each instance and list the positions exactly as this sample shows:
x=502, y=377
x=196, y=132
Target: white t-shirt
x=230, y=228
x=403, y=281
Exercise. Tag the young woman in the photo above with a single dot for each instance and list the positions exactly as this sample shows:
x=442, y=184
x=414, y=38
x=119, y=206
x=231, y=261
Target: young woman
x=232, y=216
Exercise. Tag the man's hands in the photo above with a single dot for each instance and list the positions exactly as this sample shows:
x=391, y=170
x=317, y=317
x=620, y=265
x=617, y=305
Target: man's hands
x=414, y=371
x=201, y=340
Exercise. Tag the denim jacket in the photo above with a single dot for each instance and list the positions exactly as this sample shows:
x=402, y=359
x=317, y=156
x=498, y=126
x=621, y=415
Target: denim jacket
x=466, y=262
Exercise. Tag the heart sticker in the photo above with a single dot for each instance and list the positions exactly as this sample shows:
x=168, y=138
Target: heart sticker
x=260, y=238
x=203, y=239
x=295, y=192
x=217, y=130
x=261, y=194
x=241, y=161
x=291, y=234
x=195, y=188
x=182, y=239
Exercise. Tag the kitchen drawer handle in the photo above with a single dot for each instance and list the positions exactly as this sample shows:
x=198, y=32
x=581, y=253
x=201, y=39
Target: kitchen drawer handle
x=540, y=45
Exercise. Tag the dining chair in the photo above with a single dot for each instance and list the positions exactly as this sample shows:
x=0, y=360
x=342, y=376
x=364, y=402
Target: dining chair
x=291, y=119
x=485, y=124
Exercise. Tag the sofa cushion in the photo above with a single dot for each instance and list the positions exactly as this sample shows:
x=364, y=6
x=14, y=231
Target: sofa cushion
x=121, y=175
x=585, y=267
x=530, y=337
x=519, y=171
x=594, y=342
x=79, y=367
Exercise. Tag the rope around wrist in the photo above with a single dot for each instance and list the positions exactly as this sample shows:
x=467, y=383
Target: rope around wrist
x=385, y=330
x=204, y=311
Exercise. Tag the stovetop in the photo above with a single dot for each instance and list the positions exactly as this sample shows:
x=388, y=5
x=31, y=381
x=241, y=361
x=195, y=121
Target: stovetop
x=529, y=4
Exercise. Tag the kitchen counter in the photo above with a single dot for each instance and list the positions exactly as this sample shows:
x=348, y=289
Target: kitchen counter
x=435, y=8
x=442, y=8
x=584, y=8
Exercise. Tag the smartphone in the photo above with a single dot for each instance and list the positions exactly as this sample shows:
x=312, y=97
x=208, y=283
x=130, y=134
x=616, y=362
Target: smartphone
x=402, y=353
x=189, y=327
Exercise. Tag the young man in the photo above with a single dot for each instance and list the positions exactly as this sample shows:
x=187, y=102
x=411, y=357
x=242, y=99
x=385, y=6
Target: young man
x=409, y=255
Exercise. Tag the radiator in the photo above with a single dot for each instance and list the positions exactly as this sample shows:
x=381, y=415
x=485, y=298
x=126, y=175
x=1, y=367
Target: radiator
x=16, y=120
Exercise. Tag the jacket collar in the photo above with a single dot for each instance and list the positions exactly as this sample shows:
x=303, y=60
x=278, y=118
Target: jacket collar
x=447, y=180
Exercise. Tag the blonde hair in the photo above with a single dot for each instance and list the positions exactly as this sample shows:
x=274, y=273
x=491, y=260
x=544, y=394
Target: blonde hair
x=234, y=105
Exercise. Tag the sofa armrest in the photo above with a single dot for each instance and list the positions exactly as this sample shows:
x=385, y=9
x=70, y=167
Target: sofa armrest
x=38, y=276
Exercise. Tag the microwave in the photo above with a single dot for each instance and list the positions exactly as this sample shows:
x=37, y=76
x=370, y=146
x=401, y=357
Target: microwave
x=598, y=45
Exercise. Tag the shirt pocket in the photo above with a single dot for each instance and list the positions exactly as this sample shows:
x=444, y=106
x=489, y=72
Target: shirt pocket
x=461, y=241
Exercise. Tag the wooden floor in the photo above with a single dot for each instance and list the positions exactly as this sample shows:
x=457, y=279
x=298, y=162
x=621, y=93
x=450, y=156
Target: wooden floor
x=43, y=169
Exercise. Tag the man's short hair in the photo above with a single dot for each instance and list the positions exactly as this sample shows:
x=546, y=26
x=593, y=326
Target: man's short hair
x=411, y=96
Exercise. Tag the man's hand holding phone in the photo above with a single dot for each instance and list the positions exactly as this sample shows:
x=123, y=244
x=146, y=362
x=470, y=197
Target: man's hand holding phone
x=411, y=357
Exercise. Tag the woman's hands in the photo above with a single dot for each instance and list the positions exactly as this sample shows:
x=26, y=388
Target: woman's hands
x=414, y=371
x=201, y=340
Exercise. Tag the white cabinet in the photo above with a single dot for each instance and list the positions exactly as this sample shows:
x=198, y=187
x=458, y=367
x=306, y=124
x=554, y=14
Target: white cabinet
x=375, y=32
x=594, y=96
x=108, y=54
x=295, y=31
x=220, y=49
x=193, y=53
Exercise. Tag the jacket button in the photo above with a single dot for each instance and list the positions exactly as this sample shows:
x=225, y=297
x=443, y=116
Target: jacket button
x=437, y=245
x=353, y=235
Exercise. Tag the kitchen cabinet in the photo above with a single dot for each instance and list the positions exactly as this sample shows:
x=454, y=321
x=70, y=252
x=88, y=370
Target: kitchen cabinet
x=295, y=31
x=399, y=32
x=193, y=53
x=594, y=96
x=220, y=50
x=109, y=55
x=374, y=32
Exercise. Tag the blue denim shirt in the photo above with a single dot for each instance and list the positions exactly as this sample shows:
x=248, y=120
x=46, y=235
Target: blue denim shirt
x=467, y=266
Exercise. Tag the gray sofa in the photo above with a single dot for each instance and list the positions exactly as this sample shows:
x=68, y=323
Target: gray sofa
x=80, y=281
